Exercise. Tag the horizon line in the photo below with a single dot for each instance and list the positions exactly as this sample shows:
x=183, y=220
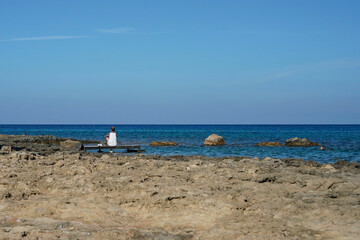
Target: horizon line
x=207, y=124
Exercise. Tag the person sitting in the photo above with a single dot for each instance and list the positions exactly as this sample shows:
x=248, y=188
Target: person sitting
x=111, y=138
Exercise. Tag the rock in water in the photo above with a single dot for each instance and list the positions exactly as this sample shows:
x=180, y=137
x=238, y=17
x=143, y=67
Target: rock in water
x=70, y=145
x=214, y=140
x=270, y=144
x=300, y=142
x=163, y=144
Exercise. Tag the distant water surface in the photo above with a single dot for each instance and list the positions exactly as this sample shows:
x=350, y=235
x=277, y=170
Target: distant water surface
x=343, y=141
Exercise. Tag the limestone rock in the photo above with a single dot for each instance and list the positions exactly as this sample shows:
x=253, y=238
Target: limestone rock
x=23, y=155
x=105, y=157
x=6, y=149
x=69, y=145
x=45, y=139
x=214, y=140
x=329, y=167
x=300, y=142
x=270, y=144
x=216, y=198
x=163, y=144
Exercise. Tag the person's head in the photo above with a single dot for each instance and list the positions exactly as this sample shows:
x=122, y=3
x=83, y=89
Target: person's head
x=113, y=129
x=322, y=148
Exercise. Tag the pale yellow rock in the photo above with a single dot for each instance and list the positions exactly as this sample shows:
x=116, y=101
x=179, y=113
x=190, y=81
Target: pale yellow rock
x=214, y=140
x=329, y=167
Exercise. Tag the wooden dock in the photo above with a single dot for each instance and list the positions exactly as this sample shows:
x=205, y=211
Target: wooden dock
x=129, y=148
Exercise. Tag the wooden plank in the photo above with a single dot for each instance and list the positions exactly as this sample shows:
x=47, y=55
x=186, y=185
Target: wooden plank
x=134, y=150
x=109, y=147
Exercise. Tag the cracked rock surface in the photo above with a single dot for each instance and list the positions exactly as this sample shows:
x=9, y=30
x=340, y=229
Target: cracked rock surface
x=67, y=195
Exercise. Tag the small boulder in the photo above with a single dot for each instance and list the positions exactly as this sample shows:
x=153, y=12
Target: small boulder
x=214, y=140
x=105, y=157
x=300, y=142
x=270, y=144
x=70, y=145
x=6, y=149
x=163, y=144
x=329, y=167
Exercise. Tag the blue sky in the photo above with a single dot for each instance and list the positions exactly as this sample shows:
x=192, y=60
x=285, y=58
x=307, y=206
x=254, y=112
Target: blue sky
x=240, y=62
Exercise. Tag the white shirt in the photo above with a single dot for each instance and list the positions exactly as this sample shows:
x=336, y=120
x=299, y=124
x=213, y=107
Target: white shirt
x=112, y=139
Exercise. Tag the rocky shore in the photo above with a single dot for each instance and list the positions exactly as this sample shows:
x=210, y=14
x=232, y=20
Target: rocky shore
x=49, y=193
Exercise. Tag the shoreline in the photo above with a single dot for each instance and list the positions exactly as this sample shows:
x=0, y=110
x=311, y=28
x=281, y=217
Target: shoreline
x=47, y=144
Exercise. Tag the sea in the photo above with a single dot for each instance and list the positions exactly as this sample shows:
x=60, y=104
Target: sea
x=342, y=141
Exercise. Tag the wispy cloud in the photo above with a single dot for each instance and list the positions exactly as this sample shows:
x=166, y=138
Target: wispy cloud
x=117, y=30
x=261, y=32
x=286, y=73
x=309, y=68
x=42, y=38
x=126, y=31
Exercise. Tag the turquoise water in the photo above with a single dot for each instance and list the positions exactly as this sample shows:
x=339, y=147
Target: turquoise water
x=343, y=141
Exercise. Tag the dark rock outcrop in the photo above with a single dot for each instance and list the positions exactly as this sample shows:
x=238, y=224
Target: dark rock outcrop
x=270, y=144
x=44, y=144
x=163, y=144
x=300, y=142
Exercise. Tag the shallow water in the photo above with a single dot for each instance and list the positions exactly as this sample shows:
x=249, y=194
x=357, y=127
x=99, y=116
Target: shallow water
x=343, y=141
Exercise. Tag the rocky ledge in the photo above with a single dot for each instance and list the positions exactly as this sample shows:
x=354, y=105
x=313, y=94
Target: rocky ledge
x=44, y=144
x=270, y=144
x=300, y=142
x=163, y=144
x=65, y=195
